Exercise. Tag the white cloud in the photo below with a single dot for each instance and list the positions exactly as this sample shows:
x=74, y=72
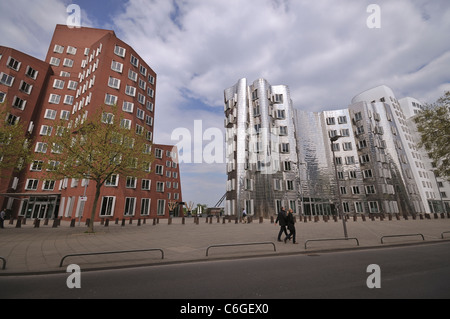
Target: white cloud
x=323, y=50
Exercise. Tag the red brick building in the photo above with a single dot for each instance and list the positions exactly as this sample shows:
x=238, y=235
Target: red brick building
x=84, y=69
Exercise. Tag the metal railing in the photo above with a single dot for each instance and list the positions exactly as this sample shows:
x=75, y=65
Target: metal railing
x=4, y=263
x=111, y=252
x=445, y=232
x=403, y=235
x=242, y=244
x=326, y=239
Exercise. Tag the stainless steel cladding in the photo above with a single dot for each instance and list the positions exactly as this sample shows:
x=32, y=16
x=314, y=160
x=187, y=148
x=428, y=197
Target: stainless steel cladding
x=279, y=156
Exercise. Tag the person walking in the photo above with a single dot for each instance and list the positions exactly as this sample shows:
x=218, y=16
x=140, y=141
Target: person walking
x=244, y=216
x=281, y=218
x=2, y=218
x=291, y=226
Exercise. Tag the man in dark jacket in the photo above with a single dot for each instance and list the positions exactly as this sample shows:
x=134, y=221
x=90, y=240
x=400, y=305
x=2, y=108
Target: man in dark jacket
x=291, y=226
x=281, y=218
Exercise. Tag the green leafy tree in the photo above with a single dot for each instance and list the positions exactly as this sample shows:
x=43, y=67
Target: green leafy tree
x=14, y=143
x=433, y=124
x=98, y=148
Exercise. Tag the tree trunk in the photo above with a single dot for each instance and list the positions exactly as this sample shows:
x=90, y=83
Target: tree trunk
x=94, y=207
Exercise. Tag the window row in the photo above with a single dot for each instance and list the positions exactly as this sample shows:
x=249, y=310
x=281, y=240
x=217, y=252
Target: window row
x=132, y=182
x=15, y=65
x=108, y=206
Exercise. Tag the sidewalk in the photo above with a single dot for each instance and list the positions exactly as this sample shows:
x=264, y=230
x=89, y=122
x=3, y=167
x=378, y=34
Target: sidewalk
x=30, y=250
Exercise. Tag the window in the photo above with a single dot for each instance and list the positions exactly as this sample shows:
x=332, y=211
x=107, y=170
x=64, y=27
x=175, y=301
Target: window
x=46, y=130
x=19, y=103
x=41, y=147
x=290, y=185
x=134, y=60
x=158, y=153
x=6, y=79
x=373, y=207
x=287, y=166
x=342, y=119
x=110, y=99
x=131, y=182
x=149, y=120
x=117, y=66
x=68, y=62
x=347, y=146
x=112, y=181
x=355, y=190
x=146, y=184
x=141, y=98
x=130, y=205
x=68, y=99
x=145, y=206
x=142, y=84
x=278, y=98
x=358, y=116
x=48, y=185
x=364, y=158
x=72, y=85
x=36, y=166
x=161, y=207
x=31, y=73
x=58, y=48
x=160, y=187
x=140, y=114
x=359, y=207
x=284, y=147
x=277, y=184
x=107, y=208
x=370, y=189
x=367, y=173
x=31, y=184
x=159, y=170
x=54, y=99
x=119, y=51
x=280, y=114
x=13, y=64
x=330, y=121
x=132, y=75
x=125, y=123
x=130, y=90
x=283, y=130
x=349, y=160
x=25, y=87
x=127, y=106
x=71, y=50
x=114, y=83
x=2, y=97
x=143, y=70
x=54, y=61
x=50, y=114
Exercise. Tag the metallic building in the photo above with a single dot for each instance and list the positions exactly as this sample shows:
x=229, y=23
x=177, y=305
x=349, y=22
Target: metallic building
x=261, y=149
x=279, y=156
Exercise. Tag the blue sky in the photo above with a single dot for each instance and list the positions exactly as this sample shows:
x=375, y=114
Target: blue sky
x=323, y=50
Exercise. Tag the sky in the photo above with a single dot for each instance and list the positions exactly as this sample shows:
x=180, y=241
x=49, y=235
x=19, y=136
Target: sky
x=326, y=52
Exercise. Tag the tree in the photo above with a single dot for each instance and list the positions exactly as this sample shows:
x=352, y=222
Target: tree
x=14, y=143
x=98, y=148
x=433, y=124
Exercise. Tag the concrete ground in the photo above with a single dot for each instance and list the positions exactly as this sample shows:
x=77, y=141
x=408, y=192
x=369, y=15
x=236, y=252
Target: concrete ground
x=30, y=250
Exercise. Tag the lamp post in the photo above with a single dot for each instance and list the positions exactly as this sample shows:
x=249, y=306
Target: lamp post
x=341, y=210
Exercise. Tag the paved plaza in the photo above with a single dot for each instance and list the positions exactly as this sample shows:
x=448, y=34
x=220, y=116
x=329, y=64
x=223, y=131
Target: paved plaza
x=31, y=250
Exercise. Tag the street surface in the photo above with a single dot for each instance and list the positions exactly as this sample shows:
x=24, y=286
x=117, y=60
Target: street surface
x=420, y=271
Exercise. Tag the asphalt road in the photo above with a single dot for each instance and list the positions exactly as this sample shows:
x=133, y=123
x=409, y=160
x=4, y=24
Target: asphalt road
x=420, y=271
